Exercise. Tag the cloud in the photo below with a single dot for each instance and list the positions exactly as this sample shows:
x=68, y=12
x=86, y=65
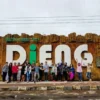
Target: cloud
x=49, y=16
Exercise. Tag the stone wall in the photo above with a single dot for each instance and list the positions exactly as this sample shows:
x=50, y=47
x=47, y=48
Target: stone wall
x=73, y=40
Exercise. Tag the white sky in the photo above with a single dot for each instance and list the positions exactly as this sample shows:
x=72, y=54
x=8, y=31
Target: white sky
x=49, y=16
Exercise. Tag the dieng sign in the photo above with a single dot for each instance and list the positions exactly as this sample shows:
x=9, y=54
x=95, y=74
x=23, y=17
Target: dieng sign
x=45, y=54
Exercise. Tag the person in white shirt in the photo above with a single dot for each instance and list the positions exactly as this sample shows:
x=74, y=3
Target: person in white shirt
x=46, y=71
x=19, y=72
x=28, y=70
x=54, y=71
x=89, y=70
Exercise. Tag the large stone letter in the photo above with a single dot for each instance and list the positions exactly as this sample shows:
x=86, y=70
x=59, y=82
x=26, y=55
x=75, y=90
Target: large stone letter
x=44, y=55
x=67, y=54
x=87, y=56
x=32, y=53
x=9, y=53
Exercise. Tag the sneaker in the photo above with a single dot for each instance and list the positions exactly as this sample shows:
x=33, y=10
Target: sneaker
x=90, y=80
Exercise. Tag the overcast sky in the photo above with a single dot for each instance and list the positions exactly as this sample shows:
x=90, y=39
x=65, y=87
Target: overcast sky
x=49, y=16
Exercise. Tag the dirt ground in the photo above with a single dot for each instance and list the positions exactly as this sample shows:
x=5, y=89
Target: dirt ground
x=50, y=95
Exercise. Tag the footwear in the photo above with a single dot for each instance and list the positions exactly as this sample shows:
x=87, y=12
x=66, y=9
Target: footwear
x=90, y=80
x=34, y=81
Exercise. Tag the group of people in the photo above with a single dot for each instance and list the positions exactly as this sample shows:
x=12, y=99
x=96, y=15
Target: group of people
x=42, y=72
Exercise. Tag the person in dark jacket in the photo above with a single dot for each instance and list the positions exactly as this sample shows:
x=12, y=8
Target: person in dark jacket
x=23, y=76
x=41, y=71
x=65, y=71
x=59, y=71
x=71, y=73
x=10, y=72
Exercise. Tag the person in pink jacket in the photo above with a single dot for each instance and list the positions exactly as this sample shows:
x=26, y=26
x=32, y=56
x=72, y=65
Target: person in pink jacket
x=79, y=69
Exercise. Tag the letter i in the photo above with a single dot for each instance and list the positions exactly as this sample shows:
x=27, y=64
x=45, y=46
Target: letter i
x=32, y=53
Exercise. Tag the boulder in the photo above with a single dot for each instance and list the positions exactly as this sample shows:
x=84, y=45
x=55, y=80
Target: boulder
x=72, y=37
x=54, y=38
x=63, y=39
x=24, y=35
x=80, y=39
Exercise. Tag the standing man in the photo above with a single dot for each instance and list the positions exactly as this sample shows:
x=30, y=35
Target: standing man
x=5, y=71
x=46, y=71
x=36, y=73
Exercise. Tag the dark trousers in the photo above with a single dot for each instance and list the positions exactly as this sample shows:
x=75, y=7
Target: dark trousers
x=80, y=76
x=41, y=75
x=9, y=75
x=14, y=76
x=4, y=76
x=54, y=76
x=65, y=75
x=59, y=76
x=46, y=76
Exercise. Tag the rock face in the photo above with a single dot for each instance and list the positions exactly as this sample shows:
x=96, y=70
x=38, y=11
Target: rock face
x=54, y=38
x=72, y=37
x=80, y=39
x=73, y=41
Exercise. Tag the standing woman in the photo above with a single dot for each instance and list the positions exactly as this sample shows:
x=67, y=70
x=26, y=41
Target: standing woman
x=28, y=70
x=79, y=69
x=14, y=72
x=88, y=74
x=23, y=73
x=71, y=72
x=19, y=72
x=10, y=72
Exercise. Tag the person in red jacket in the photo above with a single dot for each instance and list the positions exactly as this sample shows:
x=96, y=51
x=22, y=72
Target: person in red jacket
x=14, y=72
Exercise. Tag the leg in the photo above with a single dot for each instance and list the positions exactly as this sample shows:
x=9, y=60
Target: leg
x=4, y=76
x=81, y=76
x=53, y=75
x=9, y=78
x=34, y=77
x=78, y=76
x=38, y=76
x=45, y=76
x=15, y=76
x=27, y=76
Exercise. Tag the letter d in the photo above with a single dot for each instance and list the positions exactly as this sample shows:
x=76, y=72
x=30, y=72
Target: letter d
x=9, y=53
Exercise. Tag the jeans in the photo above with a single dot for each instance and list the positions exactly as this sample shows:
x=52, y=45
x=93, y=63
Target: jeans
x=28, y=76
x=80, y=76
x=36, y=76
x=88, y=74
x=46, y=76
